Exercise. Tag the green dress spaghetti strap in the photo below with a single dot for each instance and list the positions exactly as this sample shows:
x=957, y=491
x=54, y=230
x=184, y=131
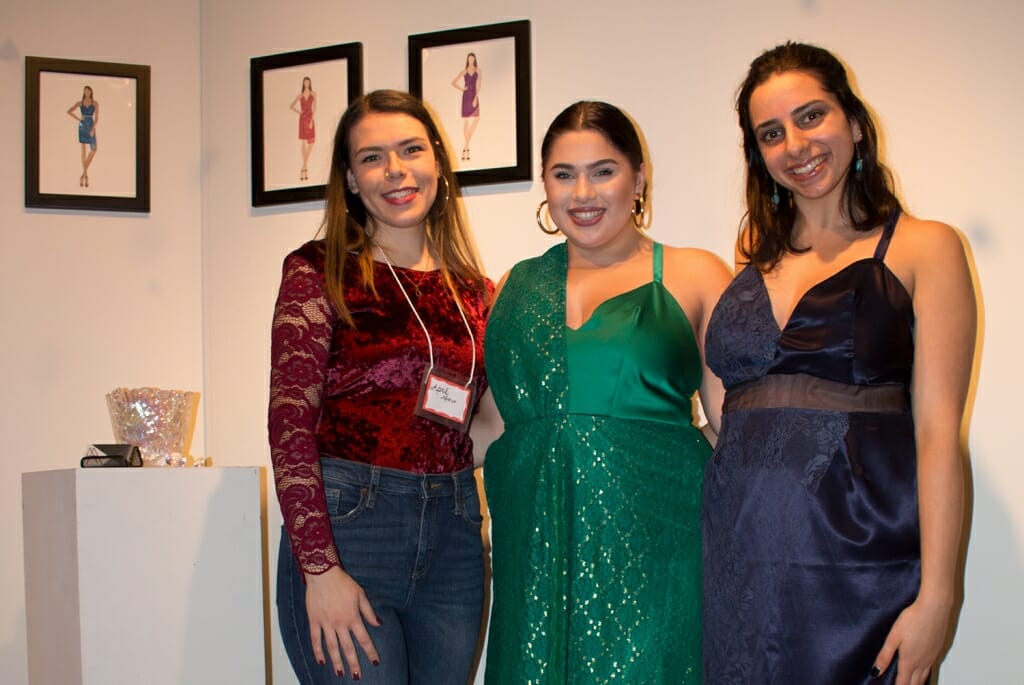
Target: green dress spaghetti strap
x=594, y=488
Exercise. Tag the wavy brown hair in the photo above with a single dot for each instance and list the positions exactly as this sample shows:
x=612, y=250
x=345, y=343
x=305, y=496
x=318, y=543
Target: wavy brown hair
x=869, y=197
x=345, y=217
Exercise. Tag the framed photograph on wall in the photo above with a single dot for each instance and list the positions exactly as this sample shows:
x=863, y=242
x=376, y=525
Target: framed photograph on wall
x=86, y=135
x=297, y=100
x=477, y=82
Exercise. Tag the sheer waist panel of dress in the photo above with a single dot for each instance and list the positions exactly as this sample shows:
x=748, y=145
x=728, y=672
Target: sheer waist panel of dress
x=804, y=391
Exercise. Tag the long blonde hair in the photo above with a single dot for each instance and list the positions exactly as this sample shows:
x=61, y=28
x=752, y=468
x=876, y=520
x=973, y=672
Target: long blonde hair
x=345, y=217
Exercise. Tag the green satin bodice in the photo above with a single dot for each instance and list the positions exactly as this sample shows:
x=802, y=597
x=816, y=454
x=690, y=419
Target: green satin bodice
x=625, y=360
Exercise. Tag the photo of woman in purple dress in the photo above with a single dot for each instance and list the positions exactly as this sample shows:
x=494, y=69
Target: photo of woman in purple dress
x=470, y=82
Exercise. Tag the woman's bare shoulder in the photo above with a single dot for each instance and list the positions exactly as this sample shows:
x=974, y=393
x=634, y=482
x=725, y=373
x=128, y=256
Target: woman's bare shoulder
x=925, y=239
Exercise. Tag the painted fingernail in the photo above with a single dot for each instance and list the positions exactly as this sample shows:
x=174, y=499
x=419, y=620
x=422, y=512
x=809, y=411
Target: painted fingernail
x=375, y=662
x=875, y=671
x=355, y=676
x=338, y=672
x=321, y=662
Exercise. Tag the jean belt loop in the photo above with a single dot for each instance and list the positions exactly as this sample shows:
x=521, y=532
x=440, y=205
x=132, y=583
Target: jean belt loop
x=457, y=491
x=371, y=498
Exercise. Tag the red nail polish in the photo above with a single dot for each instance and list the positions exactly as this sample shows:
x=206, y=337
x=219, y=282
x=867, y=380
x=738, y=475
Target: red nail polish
x=355, y=676
x=338, y=672
x=375, y=662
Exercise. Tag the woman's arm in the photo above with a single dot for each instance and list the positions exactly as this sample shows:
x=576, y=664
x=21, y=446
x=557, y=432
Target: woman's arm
x=697, y=278
x=303, y=326
x=945, y=330
x=95, y=116
x=72, y=113
x=300, y=343
x=487, y=426
x=715, y=277
x=455, y=81
x=293, y=107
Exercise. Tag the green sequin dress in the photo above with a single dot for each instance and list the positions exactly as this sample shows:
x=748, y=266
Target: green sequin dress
x=594, y=488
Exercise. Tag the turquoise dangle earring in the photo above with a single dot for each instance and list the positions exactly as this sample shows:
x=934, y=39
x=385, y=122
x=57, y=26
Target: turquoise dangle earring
x=858, y=165
x=775, y=196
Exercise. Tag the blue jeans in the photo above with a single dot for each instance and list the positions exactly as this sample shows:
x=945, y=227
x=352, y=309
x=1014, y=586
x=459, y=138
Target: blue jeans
x=413, y=543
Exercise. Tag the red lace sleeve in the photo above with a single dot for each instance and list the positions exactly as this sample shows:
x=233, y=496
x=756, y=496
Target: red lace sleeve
x=300, y=342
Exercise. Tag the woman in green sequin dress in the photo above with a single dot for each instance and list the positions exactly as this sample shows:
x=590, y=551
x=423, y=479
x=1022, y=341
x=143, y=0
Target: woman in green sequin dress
x=594, y=351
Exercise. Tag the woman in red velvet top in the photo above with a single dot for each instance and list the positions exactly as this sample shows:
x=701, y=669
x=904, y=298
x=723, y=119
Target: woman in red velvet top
x=376, y=368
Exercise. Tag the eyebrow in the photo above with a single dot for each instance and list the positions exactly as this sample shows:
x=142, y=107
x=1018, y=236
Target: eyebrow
x=795, y=113
x=401, y=143
x=592, y=165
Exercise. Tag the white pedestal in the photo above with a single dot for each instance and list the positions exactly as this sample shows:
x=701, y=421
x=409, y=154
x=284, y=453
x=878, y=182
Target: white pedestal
x=144, y=576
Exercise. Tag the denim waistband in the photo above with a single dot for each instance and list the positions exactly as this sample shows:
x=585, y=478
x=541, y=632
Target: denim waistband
x=396, y=481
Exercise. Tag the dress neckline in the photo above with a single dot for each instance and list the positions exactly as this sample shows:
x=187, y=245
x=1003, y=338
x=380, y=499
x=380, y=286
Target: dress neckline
x=656, y=274
x=878, y=257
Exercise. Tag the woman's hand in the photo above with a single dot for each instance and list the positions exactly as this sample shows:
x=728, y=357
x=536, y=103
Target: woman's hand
x=337, y=608
x=919, y=637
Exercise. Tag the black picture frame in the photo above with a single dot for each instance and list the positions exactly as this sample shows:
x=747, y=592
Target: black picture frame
x=336, y=75
x=502, y=56
x=117, y=146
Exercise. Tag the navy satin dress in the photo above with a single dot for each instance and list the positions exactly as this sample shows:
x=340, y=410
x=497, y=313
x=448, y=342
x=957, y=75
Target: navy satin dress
x=811, y=537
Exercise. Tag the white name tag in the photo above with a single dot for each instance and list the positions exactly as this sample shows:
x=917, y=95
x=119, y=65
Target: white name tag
x=445, y=400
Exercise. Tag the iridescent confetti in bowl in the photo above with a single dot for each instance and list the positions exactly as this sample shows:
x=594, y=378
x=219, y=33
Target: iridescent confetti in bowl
x=159, y=421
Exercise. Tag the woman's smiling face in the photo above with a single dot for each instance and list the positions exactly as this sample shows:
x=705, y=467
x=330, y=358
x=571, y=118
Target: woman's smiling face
x=393, y=170
x=805, y=138
x=590, y=187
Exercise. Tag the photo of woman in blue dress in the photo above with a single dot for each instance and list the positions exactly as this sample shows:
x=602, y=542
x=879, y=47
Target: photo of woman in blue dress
x=87, y=112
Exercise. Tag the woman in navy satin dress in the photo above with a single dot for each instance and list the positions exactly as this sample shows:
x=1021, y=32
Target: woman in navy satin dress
x=833, y=503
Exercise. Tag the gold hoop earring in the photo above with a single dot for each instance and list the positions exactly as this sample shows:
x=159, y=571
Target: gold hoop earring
x=540, y=220
x=638, y=212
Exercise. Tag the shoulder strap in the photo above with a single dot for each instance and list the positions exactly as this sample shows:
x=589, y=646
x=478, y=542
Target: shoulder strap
x=657, y=259
x=887, y=231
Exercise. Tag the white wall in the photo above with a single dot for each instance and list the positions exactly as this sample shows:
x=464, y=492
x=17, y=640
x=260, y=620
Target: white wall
x=92, y=301
x=940, y=75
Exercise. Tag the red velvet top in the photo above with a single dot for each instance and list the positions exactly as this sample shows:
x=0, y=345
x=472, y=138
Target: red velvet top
x=339, y=393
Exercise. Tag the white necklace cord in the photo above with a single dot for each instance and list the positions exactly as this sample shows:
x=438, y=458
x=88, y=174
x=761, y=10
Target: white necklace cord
x=426, y=333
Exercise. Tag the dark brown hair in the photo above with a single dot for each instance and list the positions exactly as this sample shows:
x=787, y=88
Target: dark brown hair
x=592, y=115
